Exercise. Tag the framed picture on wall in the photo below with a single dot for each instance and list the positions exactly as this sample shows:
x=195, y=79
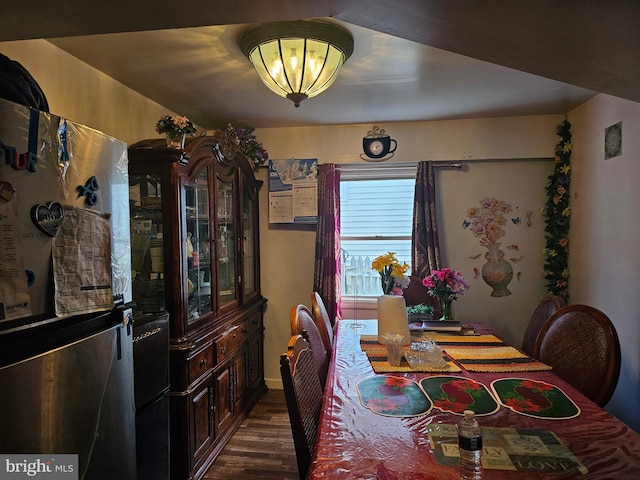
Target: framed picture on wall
x=613, y=141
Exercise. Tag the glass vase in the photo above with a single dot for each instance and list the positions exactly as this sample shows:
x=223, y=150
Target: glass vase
x=447, y=314
x=175, y=141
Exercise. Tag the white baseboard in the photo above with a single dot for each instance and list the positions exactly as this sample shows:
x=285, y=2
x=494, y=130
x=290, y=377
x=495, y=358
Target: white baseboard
x=273, y=383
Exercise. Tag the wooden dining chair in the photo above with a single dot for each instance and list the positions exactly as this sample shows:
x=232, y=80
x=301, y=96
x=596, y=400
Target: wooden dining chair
x=302, y=323
x=323, y=322
x=582, y=346
x=549, y=305
x=417, y=294
x=303, y=395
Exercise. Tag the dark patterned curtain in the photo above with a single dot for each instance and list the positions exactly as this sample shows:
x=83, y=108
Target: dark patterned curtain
x=326, y=276
x=425, y=246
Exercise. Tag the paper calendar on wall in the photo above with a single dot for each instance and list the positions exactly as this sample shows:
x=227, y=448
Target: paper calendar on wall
x=293, y=190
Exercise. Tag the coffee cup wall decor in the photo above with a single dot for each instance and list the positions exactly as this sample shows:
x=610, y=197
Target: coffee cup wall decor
x=377, y=145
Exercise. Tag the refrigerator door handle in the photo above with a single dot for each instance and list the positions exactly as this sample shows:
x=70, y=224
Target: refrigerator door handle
x=118, y=342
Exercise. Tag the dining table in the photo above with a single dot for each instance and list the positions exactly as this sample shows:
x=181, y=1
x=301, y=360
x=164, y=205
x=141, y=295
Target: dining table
x=398, y=423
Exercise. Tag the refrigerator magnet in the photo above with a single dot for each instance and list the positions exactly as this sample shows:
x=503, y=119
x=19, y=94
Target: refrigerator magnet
x=7, y=191
x=48, y=218
x=88, y=190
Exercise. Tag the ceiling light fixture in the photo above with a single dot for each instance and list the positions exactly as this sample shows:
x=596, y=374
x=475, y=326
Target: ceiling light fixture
x=297, y=59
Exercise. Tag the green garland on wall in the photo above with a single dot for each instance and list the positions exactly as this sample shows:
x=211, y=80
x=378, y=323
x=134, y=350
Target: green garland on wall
x=558, y=212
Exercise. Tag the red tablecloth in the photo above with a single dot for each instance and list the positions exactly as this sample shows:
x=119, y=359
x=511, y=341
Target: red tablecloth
x=356, y=443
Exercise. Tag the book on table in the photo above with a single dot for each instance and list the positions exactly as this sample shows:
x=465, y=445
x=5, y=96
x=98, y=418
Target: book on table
x=441, y=326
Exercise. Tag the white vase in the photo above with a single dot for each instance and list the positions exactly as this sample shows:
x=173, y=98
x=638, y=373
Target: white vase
x=392, y=318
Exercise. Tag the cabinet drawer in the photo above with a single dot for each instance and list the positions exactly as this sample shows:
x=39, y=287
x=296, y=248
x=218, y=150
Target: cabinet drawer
x=200, y=363
x=230, y=341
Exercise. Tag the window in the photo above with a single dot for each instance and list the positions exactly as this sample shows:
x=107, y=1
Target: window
x=376, y=216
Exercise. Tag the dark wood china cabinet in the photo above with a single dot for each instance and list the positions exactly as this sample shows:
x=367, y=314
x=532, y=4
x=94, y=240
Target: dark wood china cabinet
x=195, y=254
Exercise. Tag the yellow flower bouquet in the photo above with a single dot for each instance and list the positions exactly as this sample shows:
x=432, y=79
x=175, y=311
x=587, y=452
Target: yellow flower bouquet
x=392, y=272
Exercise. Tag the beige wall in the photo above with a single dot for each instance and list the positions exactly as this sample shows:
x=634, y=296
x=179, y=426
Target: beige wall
x=604, y=196
x=605, y=233
x=287, y=253
x=82, y=94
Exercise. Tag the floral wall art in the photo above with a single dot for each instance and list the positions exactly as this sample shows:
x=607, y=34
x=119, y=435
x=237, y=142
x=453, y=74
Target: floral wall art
x=487, y=223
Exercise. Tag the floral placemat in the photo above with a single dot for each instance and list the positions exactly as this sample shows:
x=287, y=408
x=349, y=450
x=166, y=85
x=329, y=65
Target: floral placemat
x=534, y=398
x=377, y=356
x=393, y=396
x=402, y=397
x=457, y=394
x=517, y=449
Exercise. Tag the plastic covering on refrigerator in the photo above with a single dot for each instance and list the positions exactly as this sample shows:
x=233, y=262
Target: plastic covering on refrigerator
x=48, y=162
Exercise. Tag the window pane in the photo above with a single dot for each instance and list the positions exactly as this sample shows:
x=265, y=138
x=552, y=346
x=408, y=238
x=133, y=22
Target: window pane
x=376, y=207
x=370, y=209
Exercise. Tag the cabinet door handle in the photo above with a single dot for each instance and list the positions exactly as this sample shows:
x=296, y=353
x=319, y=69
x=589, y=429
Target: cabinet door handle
x=203, y=362
x=223, y=350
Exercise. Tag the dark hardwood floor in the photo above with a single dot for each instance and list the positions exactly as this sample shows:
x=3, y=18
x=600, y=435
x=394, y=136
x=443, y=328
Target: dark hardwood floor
x=262, y=447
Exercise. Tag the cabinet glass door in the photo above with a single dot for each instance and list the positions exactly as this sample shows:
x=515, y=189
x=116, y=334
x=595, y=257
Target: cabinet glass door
x=147, y=250
x=147, y=245
x=226, y=244
x=198, y=246
x=248, y=243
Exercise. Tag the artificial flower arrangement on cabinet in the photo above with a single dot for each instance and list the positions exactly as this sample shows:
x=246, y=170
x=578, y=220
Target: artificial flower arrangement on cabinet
x=445, y=284
x=176, y=128
x=246, y=141
x=487, y=224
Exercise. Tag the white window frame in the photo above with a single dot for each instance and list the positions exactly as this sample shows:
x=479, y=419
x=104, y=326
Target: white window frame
x=363, y=306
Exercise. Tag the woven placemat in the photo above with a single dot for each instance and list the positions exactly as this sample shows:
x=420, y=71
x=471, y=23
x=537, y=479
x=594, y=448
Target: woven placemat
x=502, y=358
x=487, y=353
x=476, y=340
x=377, y=355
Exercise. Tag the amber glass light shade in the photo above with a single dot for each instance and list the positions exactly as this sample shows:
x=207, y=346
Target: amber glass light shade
x=297, y=59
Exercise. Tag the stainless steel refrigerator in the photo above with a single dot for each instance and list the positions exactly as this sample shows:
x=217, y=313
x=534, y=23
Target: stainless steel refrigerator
x=66, y=356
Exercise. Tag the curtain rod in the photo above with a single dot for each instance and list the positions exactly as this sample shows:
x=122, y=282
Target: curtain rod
x=399, y=170
x=436, y=163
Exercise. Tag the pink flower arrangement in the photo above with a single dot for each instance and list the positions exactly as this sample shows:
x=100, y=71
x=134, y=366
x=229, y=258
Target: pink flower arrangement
x=445, y=284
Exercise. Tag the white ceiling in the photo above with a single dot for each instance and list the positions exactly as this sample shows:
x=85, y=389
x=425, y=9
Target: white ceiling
x=403, y=66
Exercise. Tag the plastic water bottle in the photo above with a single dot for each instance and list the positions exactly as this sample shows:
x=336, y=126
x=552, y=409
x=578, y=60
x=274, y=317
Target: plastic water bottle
x=470, y=446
